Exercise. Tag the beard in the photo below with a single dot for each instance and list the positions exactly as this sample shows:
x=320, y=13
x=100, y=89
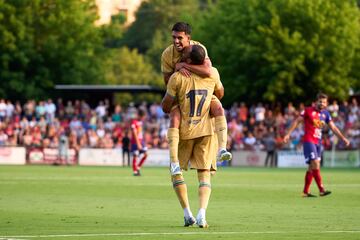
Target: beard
x=320, y=107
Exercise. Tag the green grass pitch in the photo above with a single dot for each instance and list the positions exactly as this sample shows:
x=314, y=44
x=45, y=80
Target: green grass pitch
x=47, y=202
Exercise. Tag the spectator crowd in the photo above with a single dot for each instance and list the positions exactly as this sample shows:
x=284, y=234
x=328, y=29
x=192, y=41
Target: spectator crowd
x=259, y=126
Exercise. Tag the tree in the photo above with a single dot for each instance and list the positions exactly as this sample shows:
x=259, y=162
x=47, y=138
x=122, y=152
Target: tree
x=355, y=73
x=282, y=50
x=112, y=33
x=125, y=66
x=47, y=42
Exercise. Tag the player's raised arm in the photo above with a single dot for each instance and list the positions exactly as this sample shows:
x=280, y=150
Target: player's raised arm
x=293, y=126
x=338, y=133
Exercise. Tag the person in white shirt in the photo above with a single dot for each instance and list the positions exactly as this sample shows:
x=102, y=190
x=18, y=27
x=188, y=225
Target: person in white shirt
x=9, y=109
x=50, y=110
x=2, y=109
x=260, y=113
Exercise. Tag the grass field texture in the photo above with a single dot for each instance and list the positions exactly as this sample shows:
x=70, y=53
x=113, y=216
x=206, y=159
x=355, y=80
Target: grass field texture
x=47, y=202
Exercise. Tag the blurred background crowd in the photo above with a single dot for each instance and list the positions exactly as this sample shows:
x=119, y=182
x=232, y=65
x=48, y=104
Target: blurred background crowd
x=250, y=127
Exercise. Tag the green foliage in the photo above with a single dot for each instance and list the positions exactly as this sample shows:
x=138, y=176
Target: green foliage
x=282, y=50
x=47, y=42
x=157, y=47
x=355, y=73
x=125, y=66
x=112, y=33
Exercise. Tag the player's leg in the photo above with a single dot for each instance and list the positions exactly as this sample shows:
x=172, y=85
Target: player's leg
x=135, y=153
x=218, y=113
x=204, y=196
x=180, y=188
x=185, y=152
x=309, y=157
x=144, y=154
x=134, y=165
x=173, y=139
x=143, y=159
x=308, y=181
x=315, y=166
x=202, y=159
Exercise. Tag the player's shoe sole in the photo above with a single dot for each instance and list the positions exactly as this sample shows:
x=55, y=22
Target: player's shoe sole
x=323, y=194
x=308, y=195
x=189, y=221
x=224, y=156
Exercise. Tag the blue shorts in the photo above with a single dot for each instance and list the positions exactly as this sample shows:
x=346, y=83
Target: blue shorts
x=312, y=151
x=135, y=150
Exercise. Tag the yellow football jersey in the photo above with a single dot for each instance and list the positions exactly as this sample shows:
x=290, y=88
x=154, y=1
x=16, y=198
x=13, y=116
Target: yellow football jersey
x=171, y=56
x=194, y=96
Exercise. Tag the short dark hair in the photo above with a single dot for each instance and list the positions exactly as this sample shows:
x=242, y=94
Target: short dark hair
x=141, y=112
x=321, y=95
x=197, y=55
x=182, y=27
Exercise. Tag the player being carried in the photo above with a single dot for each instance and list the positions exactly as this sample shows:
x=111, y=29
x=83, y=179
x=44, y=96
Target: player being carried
x=314, y=118
x=197, y=137
x=170, y=63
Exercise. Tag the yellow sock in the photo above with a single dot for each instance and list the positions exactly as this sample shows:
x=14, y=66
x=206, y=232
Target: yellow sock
x=173, y=138
x=181, y=190
x=221, y=131
x=204, y=188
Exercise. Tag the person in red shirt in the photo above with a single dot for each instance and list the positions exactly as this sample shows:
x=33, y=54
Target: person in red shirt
x=138, y=146
x=314, y=119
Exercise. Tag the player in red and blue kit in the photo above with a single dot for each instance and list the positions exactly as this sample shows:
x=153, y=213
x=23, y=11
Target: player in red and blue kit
x=314, y=119
x=138, y=146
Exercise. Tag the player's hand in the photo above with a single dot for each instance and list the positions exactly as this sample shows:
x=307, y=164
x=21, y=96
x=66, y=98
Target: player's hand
x=286, y=138
x=346, y=141
x=143, y=150
x=185, y=72
x=179, y=66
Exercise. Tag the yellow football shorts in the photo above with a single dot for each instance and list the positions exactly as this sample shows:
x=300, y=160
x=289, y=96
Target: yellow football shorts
x=198, y=153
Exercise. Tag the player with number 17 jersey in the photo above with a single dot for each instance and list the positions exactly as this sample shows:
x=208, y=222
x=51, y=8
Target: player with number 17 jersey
x=194, y=95
x=314, y=122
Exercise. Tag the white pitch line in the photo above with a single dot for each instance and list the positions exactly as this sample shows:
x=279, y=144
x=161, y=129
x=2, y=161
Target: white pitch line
x=167, y=233
x=11, y=239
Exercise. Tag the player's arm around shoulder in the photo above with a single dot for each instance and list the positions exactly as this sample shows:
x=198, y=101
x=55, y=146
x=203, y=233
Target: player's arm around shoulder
x=170, y=94
x=203, y=70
